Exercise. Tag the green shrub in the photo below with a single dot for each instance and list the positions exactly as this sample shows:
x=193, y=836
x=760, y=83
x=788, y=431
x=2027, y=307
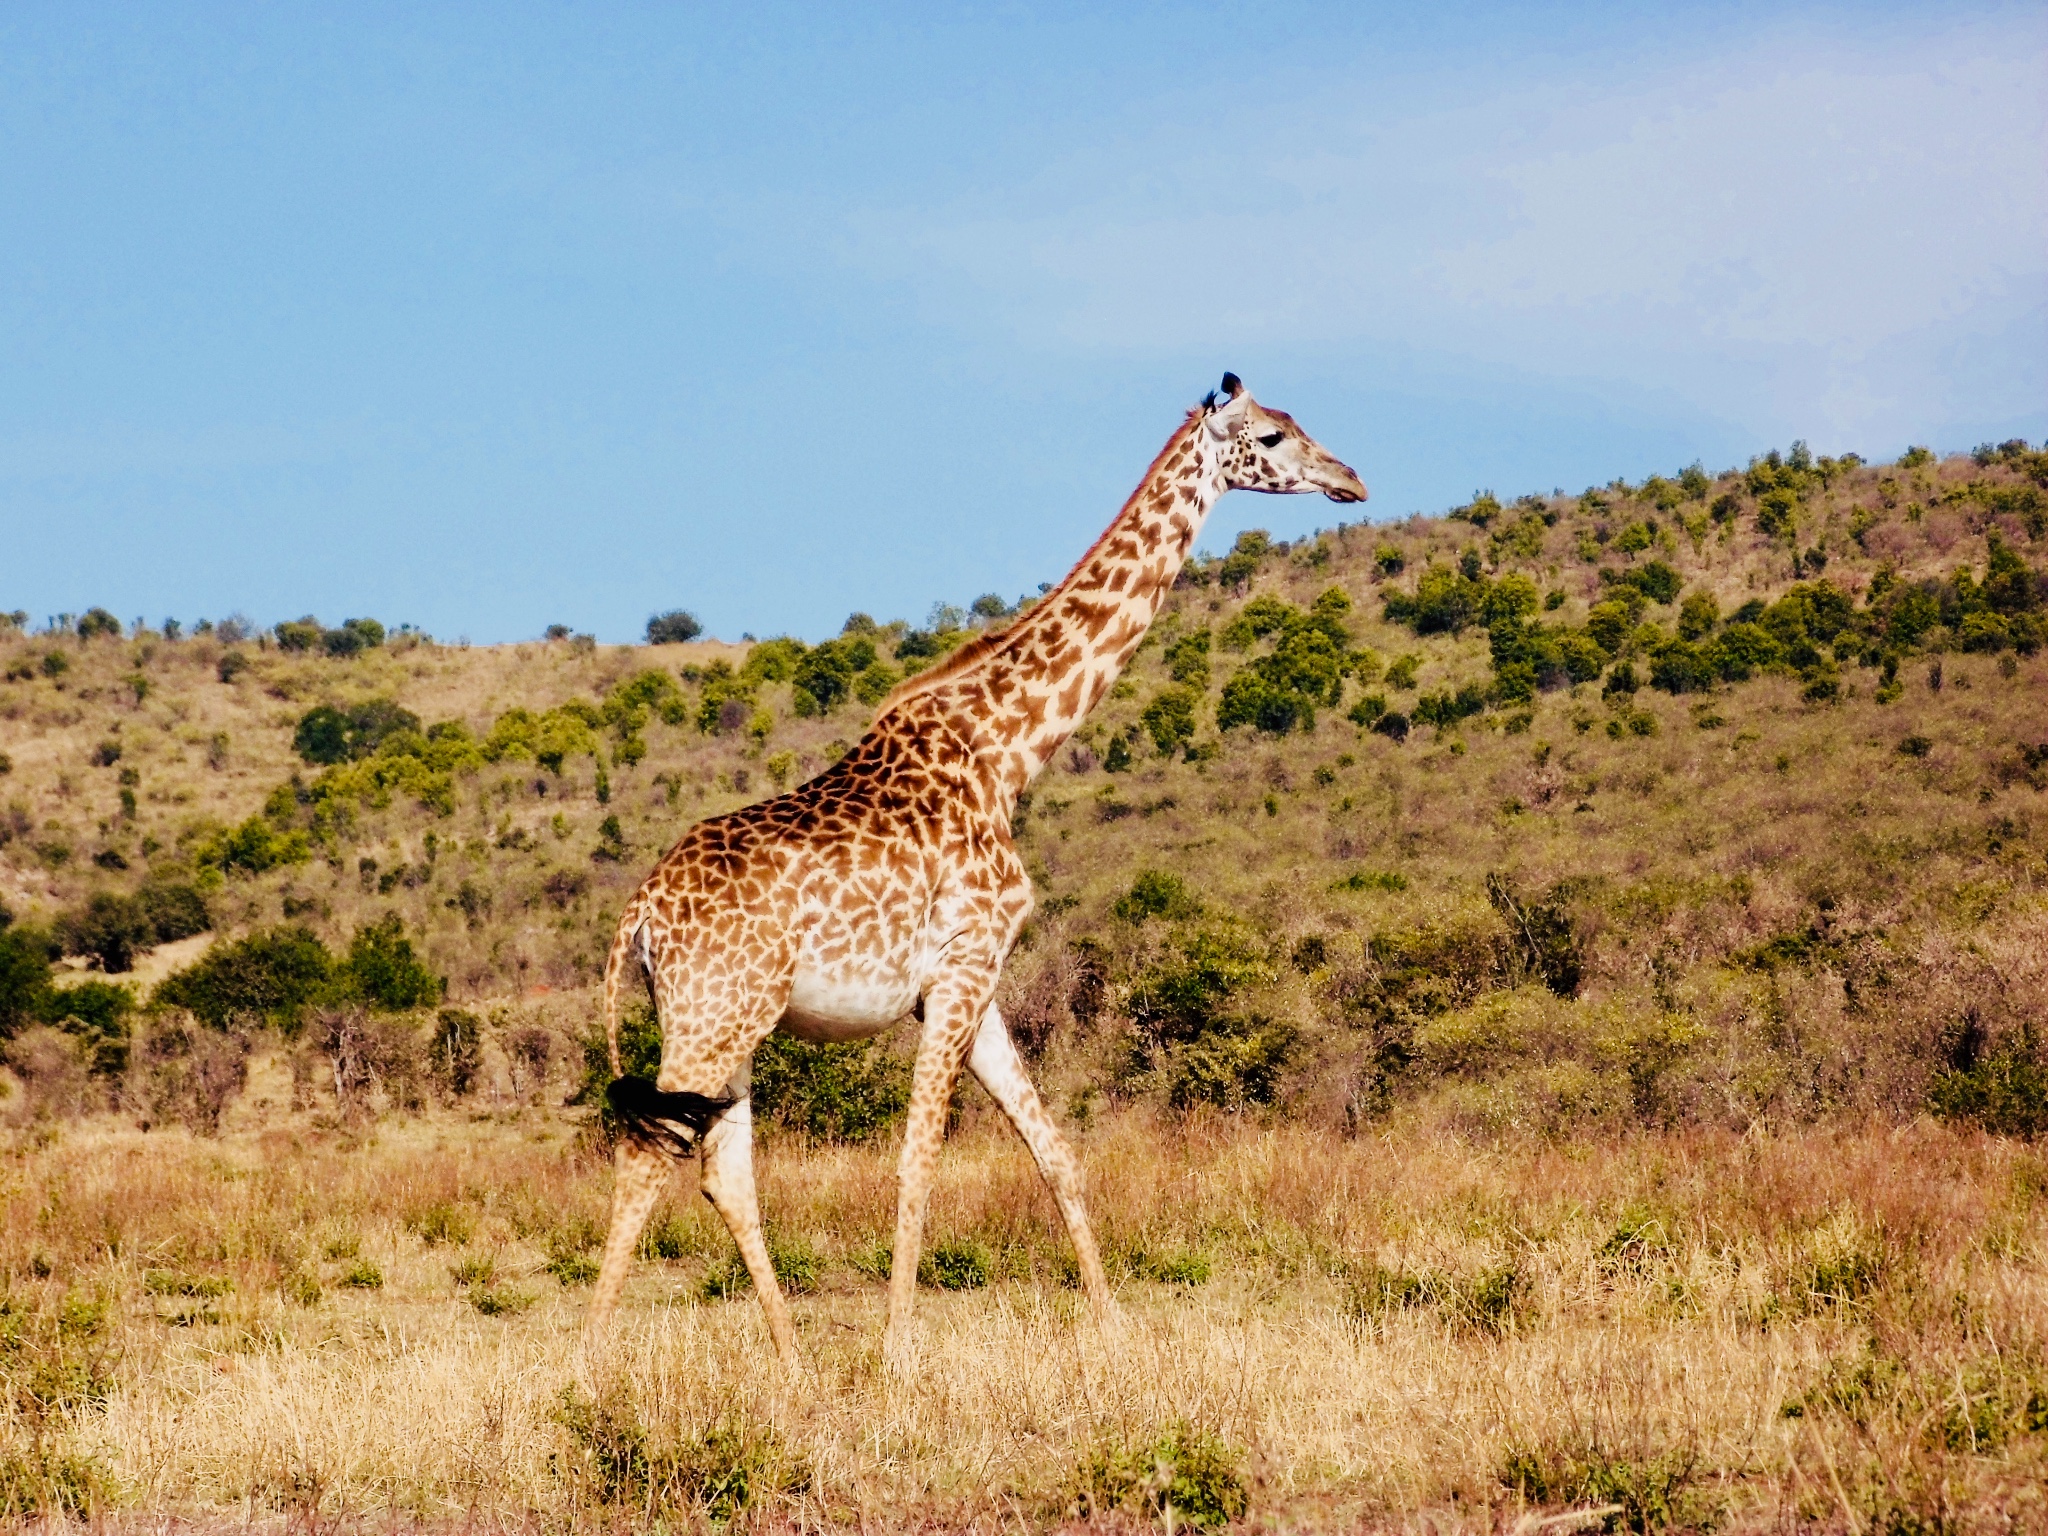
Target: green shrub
x=109, y=928
x=477, y=1269
x=1371, y=880
x=732, y=1467
x=362, y=1275
x=1644, y=1494
x=501, y=1301
x=2001, y=1087
x=1170, y=718
x=1235, y=1064
x=1184, y=1476
x=1156, y=893
x=1547, y=941
x=1368, y=711
x=1237, y=568
x=956, y=1264
x=442, y=1221
x=1444, y=709
x=1187, y=659
x=272, y=976
x=254, y=848
x=382, y=971
x=572, y=1268
x=850, y=1092
x=797, y=1265
x=1184, y=994
x=328, y=735
x=175, y=911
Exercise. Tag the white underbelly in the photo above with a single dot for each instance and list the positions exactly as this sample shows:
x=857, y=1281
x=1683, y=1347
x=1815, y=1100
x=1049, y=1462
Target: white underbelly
x=823, y=1006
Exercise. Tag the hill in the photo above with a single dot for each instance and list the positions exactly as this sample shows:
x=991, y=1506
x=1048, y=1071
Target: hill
x=1547, y=998
x=1711, y=797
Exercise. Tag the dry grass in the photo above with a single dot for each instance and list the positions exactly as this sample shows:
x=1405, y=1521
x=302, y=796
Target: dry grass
x=1671, y=1297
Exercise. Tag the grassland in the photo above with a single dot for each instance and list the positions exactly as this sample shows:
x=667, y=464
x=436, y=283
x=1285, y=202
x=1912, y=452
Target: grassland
x=1614, y=1093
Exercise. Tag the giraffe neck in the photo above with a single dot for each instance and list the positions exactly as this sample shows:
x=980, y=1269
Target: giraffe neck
x=1024, y=689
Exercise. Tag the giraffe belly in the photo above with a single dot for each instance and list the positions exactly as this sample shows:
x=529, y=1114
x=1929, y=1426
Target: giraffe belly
x=829, y=1005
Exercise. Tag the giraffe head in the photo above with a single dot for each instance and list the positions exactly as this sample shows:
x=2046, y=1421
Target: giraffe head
x=1263, y=450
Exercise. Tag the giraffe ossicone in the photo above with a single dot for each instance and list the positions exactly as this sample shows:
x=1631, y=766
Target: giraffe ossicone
x=890, y=880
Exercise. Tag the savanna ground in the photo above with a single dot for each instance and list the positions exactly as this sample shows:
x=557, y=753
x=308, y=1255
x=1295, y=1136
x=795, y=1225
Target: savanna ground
x=1549, y=1000
x=1835, y=1330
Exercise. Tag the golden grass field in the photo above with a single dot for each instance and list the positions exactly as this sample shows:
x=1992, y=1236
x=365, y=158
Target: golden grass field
x=1818, y=1330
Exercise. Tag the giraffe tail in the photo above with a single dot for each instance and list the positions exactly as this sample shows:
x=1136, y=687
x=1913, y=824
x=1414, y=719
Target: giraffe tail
x=671, y=1122
x=615, y=965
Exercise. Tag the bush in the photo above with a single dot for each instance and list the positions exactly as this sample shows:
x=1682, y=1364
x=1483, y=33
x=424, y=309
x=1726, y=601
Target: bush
x=1184, y=995
x=2003, y=1087
x=1170, y=718
x=326, y=735
x=1183, y=1476
x=108, y=929
x=1187, y=659
x=383, y=972
x=673, y=628
x=24, y=977
x=187, y=1076
x=270, y=977
x=174, y=911
x=850, y=1092
x=1156, y=893
x=1444, y=709
x=1235, y=1064
x=1651, y=1492
x=956, y=1264
x=254, y=848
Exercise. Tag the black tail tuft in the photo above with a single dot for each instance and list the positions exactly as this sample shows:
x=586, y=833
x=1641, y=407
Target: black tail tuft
x=671, y=1122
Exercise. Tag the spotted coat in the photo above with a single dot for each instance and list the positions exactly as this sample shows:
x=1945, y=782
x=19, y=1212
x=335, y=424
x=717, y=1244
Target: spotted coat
x=889, y=883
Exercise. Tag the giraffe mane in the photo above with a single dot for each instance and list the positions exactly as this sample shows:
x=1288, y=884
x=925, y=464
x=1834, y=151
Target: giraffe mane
x=983, y=646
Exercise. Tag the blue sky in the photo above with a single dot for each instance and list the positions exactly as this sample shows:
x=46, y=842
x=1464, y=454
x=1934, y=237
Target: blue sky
x=484, y=318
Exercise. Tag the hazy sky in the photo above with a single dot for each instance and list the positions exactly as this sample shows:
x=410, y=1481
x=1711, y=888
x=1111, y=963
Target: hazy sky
x=489, y=317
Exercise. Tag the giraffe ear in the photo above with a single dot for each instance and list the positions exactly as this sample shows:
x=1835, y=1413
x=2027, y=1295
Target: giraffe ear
x=1226, y=416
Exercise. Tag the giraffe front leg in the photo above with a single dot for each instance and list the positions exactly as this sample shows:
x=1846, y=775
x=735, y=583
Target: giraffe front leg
x=729, y=1186
x=949, y=1027
x=998, y=1068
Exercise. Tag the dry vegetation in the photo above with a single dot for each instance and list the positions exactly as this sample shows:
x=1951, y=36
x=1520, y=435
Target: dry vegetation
x=1515, y=1090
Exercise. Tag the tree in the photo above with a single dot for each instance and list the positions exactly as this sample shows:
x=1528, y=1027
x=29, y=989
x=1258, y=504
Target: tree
x=272, y=976
x=673, y=627
x=110, y=928
x=382, y=970
x=24, y=977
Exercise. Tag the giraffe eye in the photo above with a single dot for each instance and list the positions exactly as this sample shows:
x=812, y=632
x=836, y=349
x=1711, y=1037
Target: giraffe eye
x=1271, y=439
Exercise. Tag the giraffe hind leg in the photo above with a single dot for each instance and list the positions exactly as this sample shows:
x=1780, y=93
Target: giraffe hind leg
x=729, y=1186
x=641, y=1172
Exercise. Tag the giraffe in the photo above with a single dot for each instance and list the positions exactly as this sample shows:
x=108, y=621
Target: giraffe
x=888, y=885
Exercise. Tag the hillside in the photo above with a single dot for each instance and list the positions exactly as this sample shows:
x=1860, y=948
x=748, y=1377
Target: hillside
x=1546, y=999
x=1716, y=798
